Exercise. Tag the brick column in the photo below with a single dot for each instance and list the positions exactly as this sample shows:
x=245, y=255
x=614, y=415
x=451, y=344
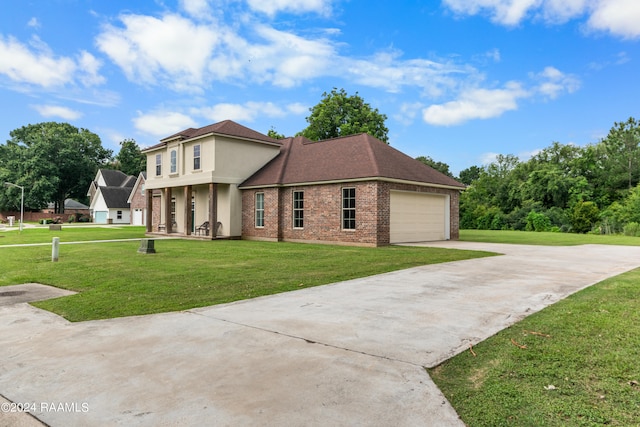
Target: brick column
x=213, y=209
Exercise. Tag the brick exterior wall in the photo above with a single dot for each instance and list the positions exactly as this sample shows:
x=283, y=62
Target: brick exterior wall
x=139, y=201
x=323, y=213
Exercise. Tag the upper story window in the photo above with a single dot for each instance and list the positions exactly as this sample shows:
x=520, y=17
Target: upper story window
x=298, y=209
x=158, y=164
x=174, y=161
x=259, y=209
x=196, y=157
x=348, y=208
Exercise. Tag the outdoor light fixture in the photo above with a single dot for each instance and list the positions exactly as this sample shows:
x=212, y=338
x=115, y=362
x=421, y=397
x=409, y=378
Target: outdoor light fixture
x=9, y=184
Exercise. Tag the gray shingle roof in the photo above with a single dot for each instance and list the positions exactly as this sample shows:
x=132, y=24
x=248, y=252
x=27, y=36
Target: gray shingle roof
x=351, y=157
x=113, y=178
x=116, y=197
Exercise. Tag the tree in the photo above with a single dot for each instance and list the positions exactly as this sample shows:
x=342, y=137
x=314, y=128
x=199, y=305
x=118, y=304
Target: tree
x=52, y=161
x=272, y=133
x=439, y=166
x=470, y=174
x=339, y=114
x=130, y=159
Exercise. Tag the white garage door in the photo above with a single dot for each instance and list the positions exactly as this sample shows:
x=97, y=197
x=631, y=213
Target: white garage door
x=138, y=217
x=418, y=217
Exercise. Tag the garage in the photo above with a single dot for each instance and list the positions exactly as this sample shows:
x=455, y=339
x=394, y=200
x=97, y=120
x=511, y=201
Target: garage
x=138, y=217
x=418, y=217
x=100, y=217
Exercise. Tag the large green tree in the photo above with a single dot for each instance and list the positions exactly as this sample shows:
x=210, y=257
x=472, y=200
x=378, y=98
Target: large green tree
x=52, y=161
x=439, y=166
x=130, y=159
x=339, y=114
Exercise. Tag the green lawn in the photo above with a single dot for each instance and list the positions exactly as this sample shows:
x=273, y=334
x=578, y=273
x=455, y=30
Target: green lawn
x=588, y=352
x=69, y=233
x=114, y=280
x=548, y=239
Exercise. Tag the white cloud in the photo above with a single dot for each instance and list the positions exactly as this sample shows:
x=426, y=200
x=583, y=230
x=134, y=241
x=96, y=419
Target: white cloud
x=33, y=23
x=618, y=17
x=172, y=48
x=387, y=71
x=39, y=67
x=35, y=64
x=506, y=12
x=553, y=82
x=196, y=8
x=246, y=112
x=408, y=112
x=57, y=111
x=476, y=103
x=488, y=158
x=163, y=123
x=271, y=7
x=297, y=108
x=89, y=66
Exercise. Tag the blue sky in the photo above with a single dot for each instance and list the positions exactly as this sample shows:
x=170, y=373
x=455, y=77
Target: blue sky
x=460, y=80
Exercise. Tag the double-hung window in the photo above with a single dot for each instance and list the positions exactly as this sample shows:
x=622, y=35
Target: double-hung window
x=298, y=209
x=259, y=209
x=348, y=208
x=196, y=157
x=158, y=164
x=174, y=161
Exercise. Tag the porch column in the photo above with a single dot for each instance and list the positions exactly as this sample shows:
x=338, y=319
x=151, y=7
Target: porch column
x=188, y=221
x=168, y=224
x=213, y=209
x=149, y=214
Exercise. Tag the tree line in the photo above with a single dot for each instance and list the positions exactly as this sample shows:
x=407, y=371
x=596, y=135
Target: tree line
x=563, y=187
x=56, y=161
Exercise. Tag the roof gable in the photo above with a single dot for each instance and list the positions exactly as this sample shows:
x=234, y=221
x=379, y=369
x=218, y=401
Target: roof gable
x=352, y=157
x=112, y=177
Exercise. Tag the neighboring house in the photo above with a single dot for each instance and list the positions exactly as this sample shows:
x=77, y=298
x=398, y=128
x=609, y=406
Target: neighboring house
x=349, y=190
x=109, y=194
x=138, y=202
x=70, y=207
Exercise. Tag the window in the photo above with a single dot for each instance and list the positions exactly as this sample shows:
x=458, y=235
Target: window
x=119, y=214
x=349, y=208
x=298, y=209
x=174, y=161
x=158, y=164
x=173, y=211
x=259, y=209
x=196, y=157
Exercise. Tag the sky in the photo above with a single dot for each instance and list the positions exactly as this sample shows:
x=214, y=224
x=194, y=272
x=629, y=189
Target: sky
x=459, y=80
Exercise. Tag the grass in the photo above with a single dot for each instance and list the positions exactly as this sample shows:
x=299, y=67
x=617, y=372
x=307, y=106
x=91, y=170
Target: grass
x=588, y=353
x=547, y=239
x=114, y=280
x=70, y=233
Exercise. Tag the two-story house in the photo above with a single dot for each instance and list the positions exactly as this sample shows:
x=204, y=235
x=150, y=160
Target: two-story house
x=349, y=190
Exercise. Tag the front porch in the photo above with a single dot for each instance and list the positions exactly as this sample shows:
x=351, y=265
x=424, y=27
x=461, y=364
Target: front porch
x=188, y=212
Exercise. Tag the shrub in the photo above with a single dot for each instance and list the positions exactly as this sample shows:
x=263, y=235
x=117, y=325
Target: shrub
x=631, y=229
x=537, y=222
x=584, y=216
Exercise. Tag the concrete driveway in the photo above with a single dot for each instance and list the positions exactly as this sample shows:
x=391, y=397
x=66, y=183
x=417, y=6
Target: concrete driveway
x=351, y=353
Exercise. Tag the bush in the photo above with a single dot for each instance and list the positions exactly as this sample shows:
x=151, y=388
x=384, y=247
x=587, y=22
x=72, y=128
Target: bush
x=632, y=229
x=584, y=216
x=72, y=218
x=537, y=222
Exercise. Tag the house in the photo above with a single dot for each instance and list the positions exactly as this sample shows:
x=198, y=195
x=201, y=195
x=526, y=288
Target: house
x=109, y=194
x=349, y=190
x=138, y=202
